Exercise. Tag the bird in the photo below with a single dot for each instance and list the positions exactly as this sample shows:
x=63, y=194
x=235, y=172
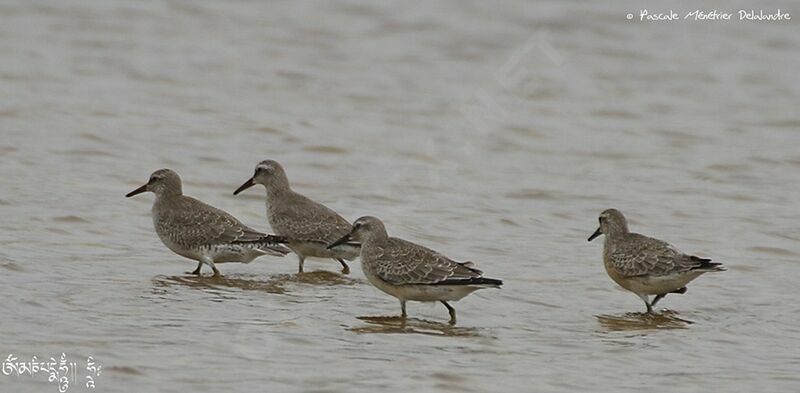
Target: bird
x=195, y=230
x=644, y=265
x=308, y=225
x=409, y=271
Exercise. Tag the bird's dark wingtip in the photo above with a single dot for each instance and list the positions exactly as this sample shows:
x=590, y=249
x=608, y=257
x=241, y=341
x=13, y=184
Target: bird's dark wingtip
x=706, y=264
x=279, y=239
x=473, y=281
x=264, y=239
x=471, y=266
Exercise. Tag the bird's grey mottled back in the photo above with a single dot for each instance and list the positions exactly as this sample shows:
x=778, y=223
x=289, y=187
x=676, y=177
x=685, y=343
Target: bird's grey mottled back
x=191, y=223
x=302, y=219
x=420, y=265
x=633, y=254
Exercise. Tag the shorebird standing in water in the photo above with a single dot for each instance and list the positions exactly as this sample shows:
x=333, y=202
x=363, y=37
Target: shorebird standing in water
x=644, y=265
x=195, y=230
x=409, y=271
x=309, y=226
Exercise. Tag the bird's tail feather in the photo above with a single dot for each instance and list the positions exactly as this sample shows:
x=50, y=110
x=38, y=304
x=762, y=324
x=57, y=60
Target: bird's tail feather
x=274, y=249
x=269, y=244
x=471, y=266
x=352, y=249
x=706, y=265
x=473, y=281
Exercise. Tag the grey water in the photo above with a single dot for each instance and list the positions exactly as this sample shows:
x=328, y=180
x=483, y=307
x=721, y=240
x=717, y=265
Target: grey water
x=494, y=132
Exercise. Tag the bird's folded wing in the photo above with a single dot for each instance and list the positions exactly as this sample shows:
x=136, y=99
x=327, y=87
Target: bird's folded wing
x=404, y=263
x=204, y=225
x=312, y=223
x=641, y=255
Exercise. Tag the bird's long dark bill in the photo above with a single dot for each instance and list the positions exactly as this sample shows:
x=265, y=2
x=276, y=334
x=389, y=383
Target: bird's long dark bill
x=249, y=183
x=595, y=234
x=344, y=239
x=137, y=191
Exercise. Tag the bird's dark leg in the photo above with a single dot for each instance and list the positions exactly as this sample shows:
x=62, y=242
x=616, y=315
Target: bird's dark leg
x=661, y=296
x=210, y=262
x=196, y=272
x=452, y=312
x=345, y=268
x=646, y=302
x=657, y=298
x=301, y=260
x=403, y=309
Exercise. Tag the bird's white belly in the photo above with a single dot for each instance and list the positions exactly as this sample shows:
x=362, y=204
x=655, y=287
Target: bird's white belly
x=218, y=253
x=432, y=293
x=231, y=253
x=421, y=293
x=178, y=249
x=655, y=285
x=320, y=250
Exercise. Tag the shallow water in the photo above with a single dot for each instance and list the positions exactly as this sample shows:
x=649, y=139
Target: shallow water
x=492, y=133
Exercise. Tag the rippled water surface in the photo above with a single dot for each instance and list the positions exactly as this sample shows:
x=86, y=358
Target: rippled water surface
x=492, y=132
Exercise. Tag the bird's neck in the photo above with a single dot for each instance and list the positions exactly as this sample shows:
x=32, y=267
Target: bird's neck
x=276, y=191
x=167, y=195
x=615, y=229
x=278, y=184
x=615, y=233
x=376, y=239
